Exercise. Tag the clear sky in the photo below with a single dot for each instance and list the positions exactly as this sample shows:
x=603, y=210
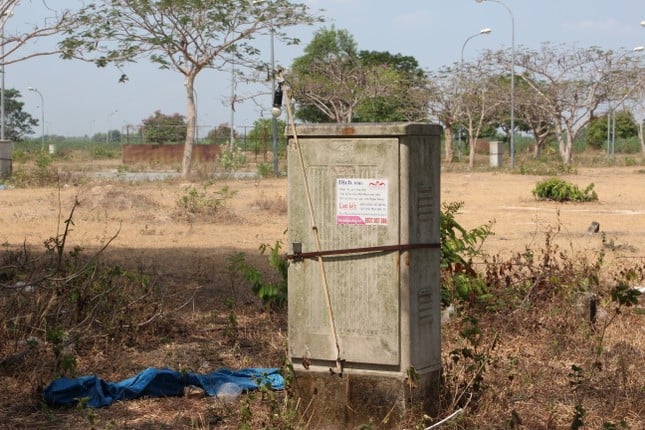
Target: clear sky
x=80, y=99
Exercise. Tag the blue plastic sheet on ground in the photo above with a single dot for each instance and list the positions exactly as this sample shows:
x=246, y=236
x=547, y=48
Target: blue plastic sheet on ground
x=154, y=382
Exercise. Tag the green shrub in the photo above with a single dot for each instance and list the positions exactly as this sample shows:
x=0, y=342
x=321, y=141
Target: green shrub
x=561, y=191
x=271, y=294
x=460, y=282
x=232, y=160
x=265, y=170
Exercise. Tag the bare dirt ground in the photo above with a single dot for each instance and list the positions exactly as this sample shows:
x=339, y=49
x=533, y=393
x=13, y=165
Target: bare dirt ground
x=145, y=213
x=149, y=232
x=522, y=220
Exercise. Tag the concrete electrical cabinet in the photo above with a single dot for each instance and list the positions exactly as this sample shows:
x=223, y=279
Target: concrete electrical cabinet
x=364, y=281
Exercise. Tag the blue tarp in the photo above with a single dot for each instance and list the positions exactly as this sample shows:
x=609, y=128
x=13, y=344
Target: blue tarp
x=155, y=383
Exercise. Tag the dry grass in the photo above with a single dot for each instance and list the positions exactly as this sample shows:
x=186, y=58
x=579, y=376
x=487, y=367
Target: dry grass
x=211, y=320
x=274, y=204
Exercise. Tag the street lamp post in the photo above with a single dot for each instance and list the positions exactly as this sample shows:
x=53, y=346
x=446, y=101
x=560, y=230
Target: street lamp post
x=274, y=114
x=42, y=116
x=482, y=32
x=512, y=146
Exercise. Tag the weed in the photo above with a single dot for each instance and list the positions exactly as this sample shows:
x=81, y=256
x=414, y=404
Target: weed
x=232, y=160
x=459, y=247
x=271, y=294
x=578, y=415
x=75, y=301
x=42, y=173
x=194, y=202
x=464, y=372
x=562, y=191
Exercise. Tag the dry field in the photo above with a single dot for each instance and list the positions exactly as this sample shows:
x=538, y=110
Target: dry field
x=144, y=230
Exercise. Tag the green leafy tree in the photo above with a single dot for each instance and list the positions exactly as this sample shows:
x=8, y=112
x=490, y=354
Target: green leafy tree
x=18, y=123
x=409, y=98
x=161, y=128
x=325, y=95
x=626, y=127
x=114, y=136
x=186, y=36
x=334, y=82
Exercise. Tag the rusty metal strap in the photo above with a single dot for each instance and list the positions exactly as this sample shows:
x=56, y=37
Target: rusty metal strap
x=298, y=256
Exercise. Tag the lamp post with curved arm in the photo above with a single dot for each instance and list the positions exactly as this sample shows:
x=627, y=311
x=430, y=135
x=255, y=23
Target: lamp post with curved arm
x=275, y=111
x=42, y=115
x=482, y=32
x=512, y=146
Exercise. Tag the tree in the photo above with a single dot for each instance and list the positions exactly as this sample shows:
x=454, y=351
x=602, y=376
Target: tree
x=334, y=82
x=597, y=133
x=186, y=36
x=161, y=128
x=444, y=104
x=573, y=83
x=531, y=116
x=636, y=106
x=479, y=101
x=114, y=136
x=322, y=79
x=18, y=123
x=12, y=44
x=408, y=100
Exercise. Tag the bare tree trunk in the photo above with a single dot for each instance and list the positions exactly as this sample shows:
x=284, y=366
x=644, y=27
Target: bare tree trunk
x=190, y=128
x=447, y=134
x=537, y=149
x=472, y=141
x=566, y=149
x=563, y=144
x=538, y=145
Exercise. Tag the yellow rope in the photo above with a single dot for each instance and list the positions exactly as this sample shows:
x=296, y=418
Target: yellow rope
x=314, y=226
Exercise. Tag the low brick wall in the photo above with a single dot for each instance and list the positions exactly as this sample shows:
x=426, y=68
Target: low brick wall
x=167, y=153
